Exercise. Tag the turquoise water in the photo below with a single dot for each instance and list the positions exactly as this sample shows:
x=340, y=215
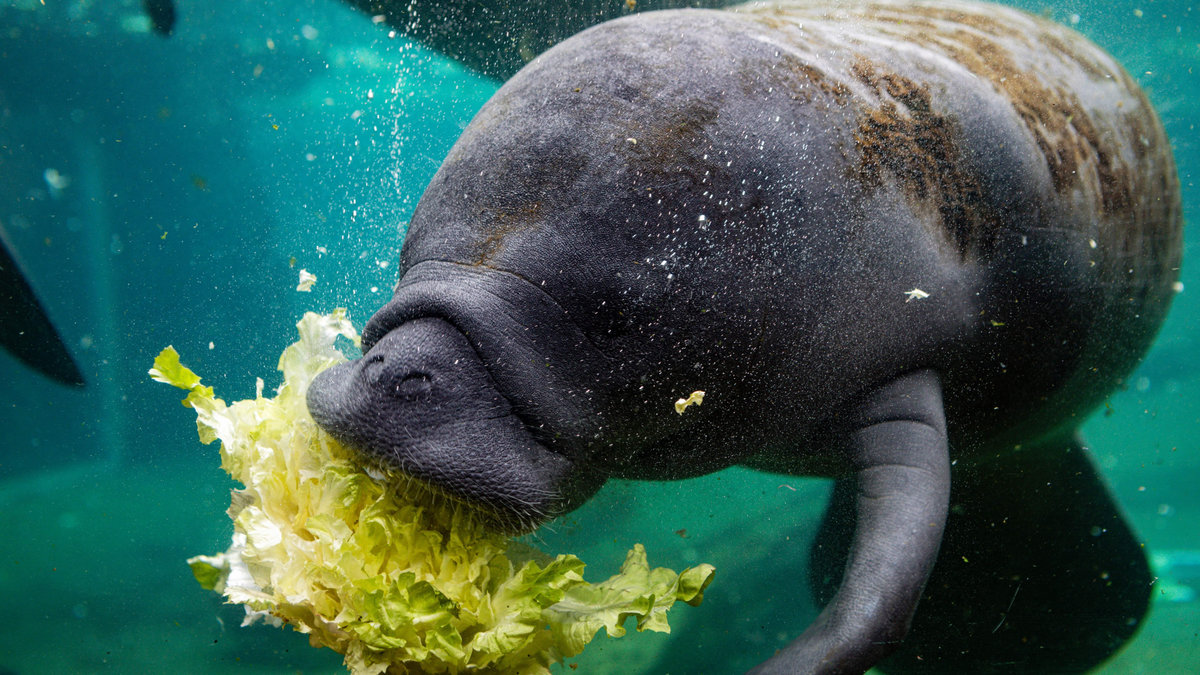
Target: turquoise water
x=196, y=176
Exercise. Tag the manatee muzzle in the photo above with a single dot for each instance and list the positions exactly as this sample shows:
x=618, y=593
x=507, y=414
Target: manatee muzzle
x=421, y=401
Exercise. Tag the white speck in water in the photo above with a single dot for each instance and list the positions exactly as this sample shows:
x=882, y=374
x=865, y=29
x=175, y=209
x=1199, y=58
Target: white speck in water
x=212, y=345
x=1143, y=383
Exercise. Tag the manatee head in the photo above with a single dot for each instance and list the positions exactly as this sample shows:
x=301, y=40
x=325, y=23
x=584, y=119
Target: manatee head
x=420, y=400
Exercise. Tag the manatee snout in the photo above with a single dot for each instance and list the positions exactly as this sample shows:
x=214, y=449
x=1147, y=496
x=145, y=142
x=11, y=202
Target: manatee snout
x=421, y=401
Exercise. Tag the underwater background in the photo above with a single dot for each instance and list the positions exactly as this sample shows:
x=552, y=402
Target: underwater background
x=169, y=191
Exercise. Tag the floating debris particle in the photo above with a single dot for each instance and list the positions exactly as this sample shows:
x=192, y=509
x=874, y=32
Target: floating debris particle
x=306, y=281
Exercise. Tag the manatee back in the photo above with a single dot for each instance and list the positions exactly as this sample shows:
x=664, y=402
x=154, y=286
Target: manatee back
x=1080, y=260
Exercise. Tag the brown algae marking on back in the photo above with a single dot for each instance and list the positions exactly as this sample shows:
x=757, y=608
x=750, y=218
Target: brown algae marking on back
x=1074, y=145
x=1068, y=48
x=1078, y=151
x=920, y=149
x=1087, y=168
x=929, y=16
x=1075, y=152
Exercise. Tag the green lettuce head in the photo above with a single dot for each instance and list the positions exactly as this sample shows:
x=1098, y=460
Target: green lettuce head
x=397, y=578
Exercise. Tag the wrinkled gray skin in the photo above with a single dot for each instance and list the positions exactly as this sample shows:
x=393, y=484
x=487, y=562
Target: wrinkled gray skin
x=730, y=202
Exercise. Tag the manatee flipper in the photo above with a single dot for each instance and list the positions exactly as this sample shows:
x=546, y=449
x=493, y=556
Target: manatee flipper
x=897, y=443
x=1038, y=572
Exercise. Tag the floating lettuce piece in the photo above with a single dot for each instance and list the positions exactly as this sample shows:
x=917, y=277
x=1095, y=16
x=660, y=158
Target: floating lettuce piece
x=378, y=567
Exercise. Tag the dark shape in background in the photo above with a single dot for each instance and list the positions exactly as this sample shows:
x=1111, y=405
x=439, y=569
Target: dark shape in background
x=494, y=37
x=25, y=330
x=162, y=15
x=498, y=37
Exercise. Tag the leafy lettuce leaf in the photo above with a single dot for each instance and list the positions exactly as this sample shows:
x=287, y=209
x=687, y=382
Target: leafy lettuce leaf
x=378, y=567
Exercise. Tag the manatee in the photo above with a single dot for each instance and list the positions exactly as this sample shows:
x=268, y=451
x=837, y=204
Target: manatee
x=907, y=246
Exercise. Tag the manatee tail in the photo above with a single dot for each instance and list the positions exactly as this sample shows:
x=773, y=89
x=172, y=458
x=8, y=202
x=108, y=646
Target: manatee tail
x=25, y=331
x=1038, y=572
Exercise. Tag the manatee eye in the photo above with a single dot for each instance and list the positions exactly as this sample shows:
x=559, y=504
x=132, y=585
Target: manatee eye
x=414, y=386
x=373, y=368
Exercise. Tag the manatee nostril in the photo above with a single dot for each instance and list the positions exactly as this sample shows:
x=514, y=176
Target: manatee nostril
x=414, y=386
